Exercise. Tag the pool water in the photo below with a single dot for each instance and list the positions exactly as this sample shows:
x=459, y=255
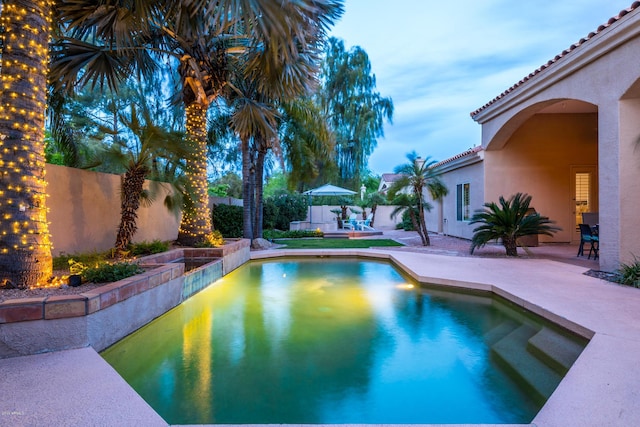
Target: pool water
x=328, y=341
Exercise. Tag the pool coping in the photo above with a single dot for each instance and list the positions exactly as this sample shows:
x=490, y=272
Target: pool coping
x=601, y=389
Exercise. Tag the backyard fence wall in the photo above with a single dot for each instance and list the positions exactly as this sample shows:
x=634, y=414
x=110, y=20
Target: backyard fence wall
x=84, y=212
x=323, y=214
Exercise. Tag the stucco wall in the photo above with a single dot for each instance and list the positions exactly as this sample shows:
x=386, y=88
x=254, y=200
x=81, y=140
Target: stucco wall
x=538, y=159
x=84, y=212
x=382, y=219
x=443, y=216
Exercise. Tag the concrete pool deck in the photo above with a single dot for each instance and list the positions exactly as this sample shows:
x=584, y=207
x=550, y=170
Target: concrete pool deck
x=77, y=387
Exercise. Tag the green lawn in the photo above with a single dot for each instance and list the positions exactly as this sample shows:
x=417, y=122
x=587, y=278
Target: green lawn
x=334, y=243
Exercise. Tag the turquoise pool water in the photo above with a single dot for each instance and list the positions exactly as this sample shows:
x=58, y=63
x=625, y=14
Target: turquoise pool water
x=329, y=341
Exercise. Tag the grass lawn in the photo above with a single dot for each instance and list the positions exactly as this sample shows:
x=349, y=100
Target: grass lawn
x=334, y=243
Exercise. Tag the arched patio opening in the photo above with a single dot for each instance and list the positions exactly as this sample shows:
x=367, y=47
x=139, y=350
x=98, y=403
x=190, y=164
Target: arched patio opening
x=550, y=151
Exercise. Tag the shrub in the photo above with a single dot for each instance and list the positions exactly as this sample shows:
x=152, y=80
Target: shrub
x=63, y=261
x=227, y=219
x=630, y=273
x=111, y=272
x=286, y=208
x=104, y=272
x=291, y=234
x=148, y=248
x=213, y=240
x=406, y=223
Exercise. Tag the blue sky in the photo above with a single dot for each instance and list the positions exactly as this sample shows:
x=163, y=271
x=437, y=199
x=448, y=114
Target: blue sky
x=440, y=60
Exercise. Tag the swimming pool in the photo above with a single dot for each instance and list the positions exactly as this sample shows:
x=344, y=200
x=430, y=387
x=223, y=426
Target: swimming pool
x=342, y=341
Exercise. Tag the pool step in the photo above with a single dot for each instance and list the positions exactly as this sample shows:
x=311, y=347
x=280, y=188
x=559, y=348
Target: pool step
x=499, y=332
x=534, y=373
x=556, y=350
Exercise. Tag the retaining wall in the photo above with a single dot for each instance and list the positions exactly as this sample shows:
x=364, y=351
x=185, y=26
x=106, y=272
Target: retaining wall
x=104, y=315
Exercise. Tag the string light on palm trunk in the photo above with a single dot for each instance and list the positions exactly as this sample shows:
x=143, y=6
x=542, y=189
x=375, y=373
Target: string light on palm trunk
x=23, y=223
x=196, y=222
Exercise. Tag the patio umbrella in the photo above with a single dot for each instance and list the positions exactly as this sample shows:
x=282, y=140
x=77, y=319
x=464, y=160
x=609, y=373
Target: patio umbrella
x=326, y=190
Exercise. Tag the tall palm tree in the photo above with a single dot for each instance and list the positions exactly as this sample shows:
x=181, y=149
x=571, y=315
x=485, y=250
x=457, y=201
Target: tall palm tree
x=25, y=246
x=419, y=175
x=509, y=221
x=200, y=36
x=280, y=69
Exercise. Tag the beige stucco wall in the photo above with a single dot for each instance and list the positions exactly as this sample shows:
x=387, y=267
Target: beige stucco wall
x=443, y=216
x=84, y=212
x=538, y=159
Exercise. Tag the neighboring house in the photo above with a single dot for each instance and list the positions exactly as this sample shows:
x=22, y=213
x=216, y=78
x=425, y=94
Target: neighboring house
x=386, y=181
x=568, y=134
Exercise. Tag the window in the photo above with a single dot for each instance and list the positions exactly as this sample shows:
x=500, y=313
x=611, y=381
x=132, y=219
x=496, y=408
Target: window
x=462, y=205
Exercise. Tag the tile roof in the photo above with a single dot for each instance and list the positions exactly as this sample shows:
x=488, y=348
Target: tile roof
x=600, y=29
x=470, y=151
x=391, y=177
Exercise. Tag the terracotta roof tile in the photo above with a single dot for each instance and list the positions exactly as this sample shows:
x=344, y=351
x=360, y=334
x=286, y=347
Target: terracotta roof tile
x=612, y=20
x=470, y=151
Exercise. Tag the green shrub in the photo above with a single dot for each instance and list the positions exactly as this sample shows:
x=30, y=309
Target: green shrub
x=630, y=273
x=148, y=248
x=292, y=234
x=110, y=272
x=63, y=261
x=280, y=210
x=227, y=219
x=406, y=223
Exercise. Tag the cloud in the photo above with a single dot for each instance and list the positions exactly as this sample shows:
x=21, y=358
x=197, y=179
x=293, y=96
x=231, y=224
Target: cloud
x=439, y=61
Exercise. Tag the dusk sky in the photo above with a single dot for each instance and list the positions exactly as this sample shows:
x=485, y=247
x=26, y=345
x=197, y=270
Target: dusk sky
x=440, y=60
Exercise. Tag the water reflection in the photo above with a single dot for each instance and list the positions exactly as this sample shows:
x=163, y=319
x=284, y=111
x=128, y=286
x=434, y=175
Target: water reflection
x=322, y=341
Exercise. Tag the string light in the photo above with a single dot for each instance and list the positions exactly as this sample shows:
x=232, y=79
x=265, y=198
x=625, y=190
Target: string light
x=25, y=247
x=195, y=225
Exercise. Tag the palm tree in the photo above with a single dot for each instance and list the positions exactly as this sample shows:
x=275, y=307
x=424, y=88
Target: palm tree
x=202, y=37
x=407, y=203
x=155, y=152
x=280, y=69
x=25, y=247
x=418, y=176
x=509, y=221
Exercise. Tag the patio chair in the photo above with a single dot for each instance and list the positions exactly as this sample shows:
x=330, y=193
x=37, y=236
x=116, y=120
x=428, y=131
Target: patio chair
x=351, y=224
x=587, y=236
x=364, y=225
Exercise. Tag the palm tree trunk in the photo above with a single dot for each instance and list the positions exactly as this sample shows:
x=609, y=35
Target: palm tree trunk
x=195, y=226
x=416, y=225
x=423, y=225
x=132, y=185
x=510, y=245
x=259, y=178
x=247, y=191
x=25, y=247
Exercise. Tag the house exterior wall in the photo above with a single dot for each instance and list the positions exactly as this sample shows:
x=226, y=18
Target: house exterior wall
x=84, y=212
x=538, y=159
x=443, y=216
x=602, y=71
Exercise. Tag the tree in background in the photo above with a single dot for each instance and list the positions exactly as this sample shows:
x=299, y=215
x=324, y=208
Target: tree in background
x=307, y=144
x=283, y=69
x=354, y=110
x=228, y=185
x=419, y=176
